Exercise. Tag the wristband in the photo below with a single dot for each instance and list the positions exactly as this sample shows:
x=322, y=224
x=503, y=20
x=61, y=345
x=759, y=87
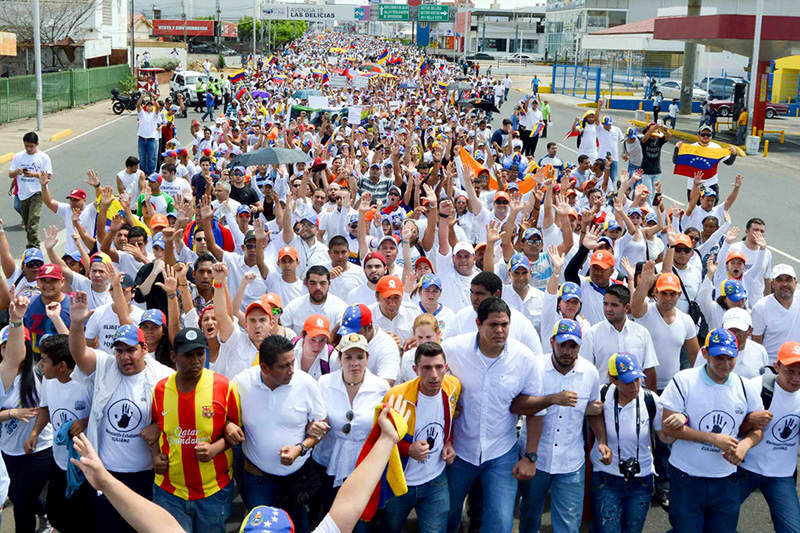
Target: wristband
x=15, y=324
x=217, y=285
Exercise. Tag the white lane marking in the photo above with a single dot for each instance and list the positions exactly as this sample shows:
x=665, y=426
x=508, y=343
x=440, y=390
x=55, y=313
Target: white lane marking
x=59, y=145
x=680, y=202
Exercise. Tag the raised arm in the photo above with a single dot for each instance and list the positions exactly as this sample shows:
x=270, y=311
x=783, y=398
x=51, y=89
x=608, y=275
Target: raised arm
x=85, y=357
x=646, y=281
x=206, y=213
x=47, y=198
x=15, y=346
x=224, y=320
x=737, y=185
x=6, y=259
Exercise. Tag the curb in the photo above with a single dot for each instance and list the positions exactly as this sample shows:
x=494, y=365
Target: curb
x=689, y=137
x=5, y=158
x=61, y=134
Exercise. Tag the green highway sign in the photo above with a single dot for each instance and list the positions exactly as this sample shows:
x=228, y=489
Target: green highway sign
x=393, y=12
x=432, y=13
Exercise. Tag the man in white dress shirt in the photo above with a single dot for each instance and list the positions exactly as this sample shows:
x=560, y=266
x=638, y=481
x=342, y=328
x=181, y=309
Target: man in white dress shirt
x=318, y=301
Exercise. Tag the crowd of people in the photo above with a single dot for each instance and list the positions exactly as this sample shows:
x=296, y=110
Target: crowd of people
x=212, y=327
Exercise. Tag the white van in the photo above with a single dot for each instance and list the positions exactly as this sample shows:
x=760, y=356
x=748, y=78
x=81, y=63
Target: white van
x=185, y=82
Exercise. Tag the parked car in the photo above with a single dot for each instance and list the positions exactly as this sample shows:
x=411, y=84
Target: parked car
x=481, y=56
x=521, y=58
x=725, y=108
x=672, y=89
x=720, y=88
x=211, y=48
x=185, y=82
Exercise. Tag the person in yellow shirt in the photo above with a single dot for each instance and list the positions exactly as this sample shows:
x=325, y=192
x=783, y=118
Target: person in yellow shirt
x=741, y=123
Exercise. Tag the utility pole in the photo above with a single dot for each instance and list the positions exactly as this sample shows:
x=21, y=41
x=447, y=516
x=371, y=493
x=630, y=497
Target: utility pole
x=133, y=47
x=37, y=50
x=183, y=8
x=217, y=32
x=751, y=87
x=255, y=19
x=689, y=59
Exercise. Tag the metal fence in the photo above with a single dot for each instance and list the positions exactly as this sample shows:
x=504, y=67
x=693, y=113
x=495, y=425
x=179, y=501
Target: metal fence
x=60, y=90
x=577, y=80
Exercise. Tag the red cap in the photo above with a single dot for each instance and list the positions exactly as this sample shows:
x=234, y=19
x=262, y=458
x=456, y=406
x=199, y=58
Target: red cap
x=50, y=272
x=374, y=255
x=78, y=194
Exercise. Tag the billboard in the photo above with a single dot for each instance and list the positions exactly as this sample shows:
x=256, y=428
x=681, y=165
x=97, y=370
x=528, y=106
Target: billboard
x=175, y=27
x=316, y=13
x=96, y=48
x=8, y=43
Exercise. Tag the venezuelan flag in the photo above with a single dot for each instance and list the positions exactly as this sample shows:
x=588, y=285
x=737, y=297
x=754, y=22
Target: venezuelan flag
x=278, y=78
x=539, y=129
x=325, y=79
x=395, y=60
x=272, y=60
x=222, y=235
x=240, y=93
x=423, y=66
x=237, y=77
x=383, y=57
x=694, y=158
x=443, y=85
x=393, y=481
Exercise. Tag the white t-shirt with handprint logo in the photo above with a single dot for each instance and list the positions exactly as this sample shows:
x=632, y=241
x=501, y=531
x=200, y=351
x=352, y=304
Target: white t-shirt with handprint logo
x=66, y=402
x=126, y=414
x=428, y=426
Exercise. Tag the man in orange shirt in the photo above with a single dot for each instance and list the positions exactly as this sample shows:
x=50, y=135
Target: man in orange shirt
x=193, y=467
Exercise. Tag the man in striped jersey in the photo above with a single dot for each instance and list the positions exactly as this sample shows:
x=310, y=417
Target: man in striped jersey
x=193, y=467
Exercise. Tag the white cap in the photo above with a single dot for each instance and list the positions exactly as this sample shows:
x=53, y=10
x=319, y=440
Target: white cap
x=737, y=318
x=783, y=270
x=463, y=245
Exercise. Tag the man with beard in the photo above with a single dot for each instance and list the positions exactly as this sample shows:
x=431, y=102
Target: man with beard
x=374, y=269
x=776, y=318
x=317, y=302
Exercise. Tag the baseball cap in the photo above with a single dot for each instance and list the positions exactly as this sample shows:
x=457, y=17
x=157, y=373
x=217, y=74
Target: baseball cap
x=100, y=257
x=154, y=177
x=353, y=340
x=273, y=299
x=4, y=334
x=705, y=127
x=737, y=318
x=708, y=191
x=733, y=289
x=243, y=210
x=611, y=225
x=389, y=286
x=602, y=258
x=735, y=254
x=374, y=255
x=631, y=133
x=355, y=317
x=430, y=280
x=531, y=233
x=567, y=330
x=607, y=241
x=720, y=341
x=263, y=519
x=668, y=282
x=127, y=281
x=634, y=211
x=78, y=194
x=385, y=238
x=519, y=260
x=258, y=304
x=50, y=271
x=75, y=256
x=607, y=121
x=569, y=290
x=250, y=235
x=128, y=334
x=156, y=316
x=317, y=325
x=783, y=270
x=425, y=260
x=684, y=240
x=158, y=222
x=624, y=367
x=502, y=194
x=788, y=353
x=287, y=250
x=158, y=241
x=651, y=217
x=32, y=254
x=463, y=246
x=189, y=339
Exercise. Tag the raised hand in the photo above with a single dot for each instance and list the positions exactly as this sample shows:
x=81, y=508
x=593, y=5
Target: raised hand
x=648, y=276
x=53, y=310
x=732, y=235
x=170, y=283
x=556, y=258
x=79, y=308
x=92, y=179
x=220, y=272
x=591, y=237
x=50, y=237
x=17, y=307
x=738, y=180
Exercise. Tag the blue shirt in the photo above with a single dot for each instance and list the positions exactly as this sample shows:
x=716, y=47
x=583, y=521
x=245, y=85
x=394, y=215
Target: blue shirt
x=39, y=324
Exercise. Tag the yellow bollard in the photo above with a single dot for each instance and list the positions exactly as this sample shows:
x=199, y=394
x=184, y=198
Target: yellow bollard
x=796, y=111
x=641, y=103
x=754, y=131
x=766, y=148
x=647, y=117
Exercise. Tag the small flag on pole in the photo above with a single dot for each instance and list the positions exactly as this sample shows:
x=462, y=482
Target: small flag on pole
x=237, y=76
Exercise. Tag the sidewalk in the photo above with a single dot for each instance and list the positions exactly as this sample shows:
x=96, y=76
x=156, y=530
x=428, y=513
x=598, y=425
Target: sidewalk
x=79, y=120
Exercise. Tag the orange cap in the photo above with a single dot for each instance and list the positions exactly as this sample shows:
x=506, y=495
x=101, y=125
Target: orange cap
x=273, y=300
x=287, y=250
x=389, y=286
x=685, y=240
x=668, y=282
x=258, y=304
x=736, y=254
x=602, y=258
x=158, y=222
x=789, y=353
x=317, y=325
x=502, y=194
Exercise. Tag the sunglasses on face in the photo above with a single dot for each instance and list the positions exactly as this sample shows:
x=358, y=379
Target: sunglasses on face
x=501, y=202
x=533, y=240
x=250, y=246
x=705, y=134
x=348, y=426
x=682, y=250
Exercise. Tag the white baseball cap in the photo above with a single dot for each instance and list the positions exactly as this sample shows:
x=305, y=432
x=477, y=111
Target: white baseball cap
x=737, y=318
x=463, y=245
x=783, y=270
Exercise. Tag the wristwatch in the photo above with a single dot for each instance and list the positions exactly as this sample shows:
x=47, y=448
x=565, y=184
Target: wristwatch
x=532, y=457
x=303, y=449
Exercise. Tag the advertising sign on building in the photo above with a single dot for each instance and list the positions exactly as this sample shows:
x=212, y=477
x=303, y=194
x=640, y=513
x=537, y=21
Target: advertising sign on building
x=175, y=27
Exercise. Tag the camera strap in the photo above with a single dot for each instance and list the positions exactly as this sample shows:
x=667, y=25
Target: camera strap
x=616, y=424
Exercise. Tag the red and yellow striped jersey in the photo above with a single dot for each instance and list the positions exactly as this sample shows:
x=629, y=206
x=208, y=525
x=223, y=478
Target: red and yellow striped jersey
x=187, y=419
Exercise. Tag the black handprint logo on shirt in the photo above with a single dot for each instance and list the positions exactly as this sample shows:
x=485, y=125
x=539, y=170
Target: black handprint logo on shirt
x=786, y=428
x=431, y=436
x=124, y=416
x=717, y=421
x=125, y=419
x=62, y=417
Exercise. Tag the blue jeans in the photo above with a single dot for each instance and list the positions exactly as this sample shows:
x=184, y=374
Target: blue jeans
x=209, y=113
x=148, y=155
x=650, y=180
x=703, y=504
x=207, y=514
x=612, y=172
x=566, y=501
x=781, y=496
x=620, y=506
x=432, y=502
x=270, y=491
x=499, y=491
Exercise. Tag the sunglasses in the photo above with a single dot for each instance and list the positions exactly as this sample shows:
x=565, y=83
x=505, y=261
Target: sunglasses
x=348, y=426
x=501, y=202
x=705, y=134
x=533, y=240
x=250, y=246
x=682, y=250
x=34, y=264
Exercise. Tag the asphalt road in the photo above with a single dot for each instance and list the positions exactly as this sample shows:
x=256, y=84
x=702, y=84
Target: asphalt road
x=770, y=192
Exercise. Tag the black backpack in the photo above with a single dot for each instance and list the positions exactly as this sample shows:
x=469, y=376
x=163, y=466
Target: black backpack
x=650, y=405
x=768, y=386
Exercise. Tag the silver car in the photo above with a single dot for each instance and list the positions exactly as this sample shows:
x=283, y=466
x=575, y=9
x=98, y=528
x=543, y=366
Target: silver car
x=672, y=89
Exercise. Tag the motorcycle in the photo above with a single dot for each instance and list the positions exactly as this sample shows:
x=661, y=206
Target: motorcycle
x=122, y=102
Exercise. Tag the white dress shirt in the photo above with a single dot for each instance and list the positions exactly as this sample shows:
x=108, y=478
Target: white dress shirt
x=401, y=325
x=520, y=328
x=603, y=340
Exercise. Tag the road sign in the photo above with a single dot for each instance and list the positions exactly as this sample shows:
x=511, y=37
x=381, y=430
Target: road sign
x=433, y=13
x=393, y=12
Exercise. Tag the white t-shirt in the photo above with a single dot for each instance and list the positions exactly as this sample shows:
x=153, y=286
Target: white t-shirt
x=236, y=271
x=66, y=402
x=776, y=323
x=287, y=291
x=29, y=185
x=148, y=124
x=297, y=310
x=691, y=276
x=588, y=144
x=13, y=432
x=428, y=426
x=104, y=323
x=122, y=448
x=130, y=182
x=348, y=280
x=84, y=284
x=710, y=407
x=176, y=187
x=695, y=219
x=236, y=354
x=276, y=418
x=609, y=141
x=668, y=340
x=86, y=219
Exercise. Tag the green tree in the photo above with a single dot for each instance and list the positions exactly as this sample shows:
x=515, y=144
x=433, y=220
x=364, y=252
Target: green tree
x=282, y=31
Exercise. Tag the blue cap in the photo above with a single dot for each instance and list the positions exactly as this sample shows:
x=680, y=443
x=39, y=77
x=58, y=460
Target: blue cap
x=158, y=240
x=127, y=281
x=635, y=211
x=651, y=217
x=519, y=260
x=607, y=121
x=238, y=169
x=353, y=219
x=32, y=254
x=75, y=256
x=569, y=290
x=243, y=209
x=355, y=317
x=707, y=191
x=733, y=289
x=263, y=519
x=606, y=240
x=512, y=186
x=530, y=233
x=611, y=225
x=430, y=280
x=567, y=330
x=632, y=133
x=624, y=367
x=128, y=334
x=309, y=217
x=154, y=177
x=156, y=316
x=720, y=341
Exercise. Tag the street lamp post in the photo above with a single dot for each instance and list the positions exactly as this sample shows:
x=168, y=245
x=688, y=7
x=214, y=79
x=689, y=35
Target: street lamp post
x=751, y=94
x=37, y=50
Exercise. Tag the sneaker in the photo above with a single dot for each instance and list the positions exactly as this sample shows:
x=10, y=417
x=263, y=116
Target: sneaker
x=44, y=525
x=662, y=500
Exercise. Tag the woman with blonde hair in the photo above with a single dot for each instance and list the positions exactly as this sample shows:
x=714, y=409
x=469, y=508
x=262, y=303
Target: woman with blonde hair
x=426, y=329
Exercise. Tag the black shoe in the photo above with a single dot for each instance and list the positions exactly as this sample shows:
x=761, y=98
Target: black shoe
x=662, y=500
